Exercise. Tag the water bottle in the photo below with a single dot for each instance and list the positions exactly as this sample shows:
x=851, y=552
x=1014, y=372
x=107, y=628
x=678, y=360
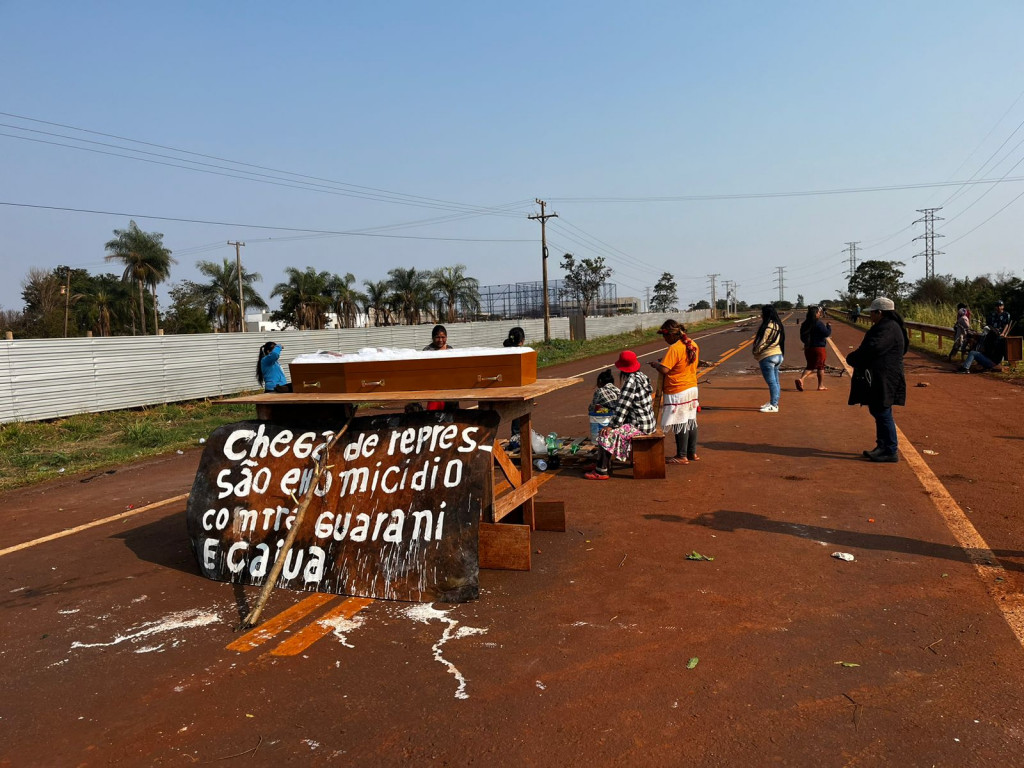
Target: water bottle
x=540, y=464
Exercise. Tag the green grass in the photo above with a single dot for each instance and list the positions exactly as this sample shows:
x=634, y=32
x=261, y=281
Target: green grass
x=34, y=452
x=559, y=351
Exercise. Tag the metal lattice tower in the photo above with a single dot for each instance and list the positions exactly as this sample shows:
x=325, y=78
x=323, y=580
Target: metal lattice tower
x=782, y=284
x=852, y=248
x=929, y=236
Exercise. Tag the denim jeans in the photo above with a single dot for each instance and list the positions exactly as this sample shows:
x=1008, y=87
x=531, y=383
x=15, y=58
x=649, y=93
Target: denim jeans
x=885, y=429
x=976, y=355
x=770, y=370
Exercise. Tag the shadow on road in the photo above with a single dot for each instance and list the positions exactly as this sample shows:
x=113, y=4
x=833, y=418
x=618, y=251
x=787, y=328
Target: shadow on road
x=782, y=450
x=731, y=521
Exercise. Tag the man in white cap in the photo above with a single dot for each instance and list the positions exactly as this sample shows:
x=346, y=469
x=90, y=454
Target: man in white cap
x=878, y=381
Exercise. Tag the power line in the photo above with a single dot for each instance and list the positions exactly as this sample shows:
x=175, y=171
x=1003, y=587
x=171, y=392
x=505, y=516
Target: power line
x=263, y=226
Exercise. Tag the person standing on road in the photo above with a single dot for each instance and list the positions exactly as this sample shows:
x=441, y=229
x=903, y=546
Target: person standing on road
x=813, y=332
x=961, y=329
x=632, y=415
x=268, y=369
x=769, y=351
x=679, y=408
x=878, y=380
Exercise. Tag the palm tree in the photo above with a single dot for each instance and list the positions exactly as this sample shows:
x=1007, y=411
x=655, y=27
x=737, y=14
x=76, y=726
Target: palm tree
x=410, y=293
x=344, y=299
x=452, y=289
x=304, y=298
x=103, y=302
x=146, y=262
x=221, y=293
x=378, y=298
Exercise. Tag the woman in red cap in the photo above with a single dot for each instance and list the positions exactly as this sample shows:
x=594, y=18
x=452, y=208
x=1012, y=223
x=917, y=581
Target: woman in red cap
x=632, y=415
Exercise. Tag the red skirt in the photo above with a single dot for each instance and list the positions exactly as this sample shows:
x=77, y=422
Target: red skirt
x=815, y=358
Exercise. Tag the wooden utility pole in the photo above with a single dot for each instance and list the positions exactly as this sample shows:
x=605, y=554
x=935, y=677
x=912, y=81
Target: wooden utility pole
x=241, y=296
x=543, y=218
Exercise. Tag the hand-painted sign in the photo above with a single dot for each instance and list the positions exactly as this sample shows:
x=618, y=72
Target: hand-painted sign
x=395, y=514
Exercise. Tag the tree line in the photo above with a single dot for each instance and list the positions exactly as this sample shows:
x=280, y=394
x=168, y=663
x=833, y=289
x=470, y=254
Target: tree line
x=69, y=301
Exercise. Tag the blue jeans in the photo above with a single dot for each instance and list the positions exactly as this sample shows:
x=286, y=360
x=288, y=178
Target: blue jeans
x=770, y=370
x=973, y=355
x=885, y=430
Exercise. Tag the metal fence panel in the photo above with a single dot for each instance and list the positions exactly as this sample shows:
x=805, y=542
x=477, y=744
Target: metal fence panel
x=51, y=378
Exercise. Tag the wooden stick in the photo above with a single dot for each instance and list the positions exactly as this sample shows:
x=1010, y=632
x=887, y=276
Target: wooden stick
x=251, y=620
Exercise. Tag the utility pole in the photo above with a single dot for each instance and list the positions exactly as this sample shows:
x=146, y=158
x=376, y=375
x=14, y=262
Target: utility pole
x=67, y=299
x=782, y=295
x=929, y=236
x=852, y=248
x=543, y=218
x=714, y=294
x=241, y=296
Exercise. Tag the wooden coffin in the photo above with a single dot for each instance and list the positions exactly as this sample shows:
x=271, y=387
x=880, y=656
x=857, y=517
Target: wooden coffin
x=438, y=371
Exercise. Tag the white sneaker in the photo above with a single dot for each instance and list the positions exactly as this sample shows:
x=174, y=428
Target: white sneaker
x=769, y=408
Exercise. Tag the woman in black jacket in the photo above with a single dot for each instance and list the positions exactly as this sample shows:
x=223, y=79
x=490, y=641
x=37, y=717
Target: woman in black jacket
x=878, y=380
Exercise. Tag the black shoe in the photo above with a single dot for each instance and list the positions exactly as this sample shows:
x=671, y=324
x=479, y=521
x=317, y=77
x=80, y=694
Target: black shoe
x=872, y=453
x=885, y=458
x=962, y=370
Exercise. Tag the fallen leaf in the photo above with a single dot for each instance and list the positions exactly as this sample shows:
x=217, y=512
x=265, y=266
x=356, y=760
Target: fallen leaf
x=846, y=664
x=698, y=556
x=692, y=663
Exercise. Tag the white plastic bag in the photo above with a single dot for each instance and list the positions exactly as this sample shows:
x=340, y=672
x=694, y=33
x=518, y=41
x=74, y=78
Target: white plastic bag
x=537, y=442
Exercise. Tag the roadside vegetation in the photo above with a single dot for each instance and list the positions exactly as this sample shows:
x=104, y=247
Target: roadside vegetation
x=34, y=452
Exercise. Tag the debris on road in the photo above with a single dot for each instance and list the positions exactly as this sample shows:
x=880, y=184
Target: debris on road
x=698, y=556
x=843, y=556
x=692, y=663
x=846, y=664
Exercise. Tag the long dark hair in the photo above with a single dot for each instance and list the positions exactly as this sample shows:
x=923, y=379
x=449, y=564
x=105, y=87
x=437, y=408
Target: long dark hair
x=265, y=350
x=605, y=377
x=809, y=322
x=516, y=337
x=778, y=333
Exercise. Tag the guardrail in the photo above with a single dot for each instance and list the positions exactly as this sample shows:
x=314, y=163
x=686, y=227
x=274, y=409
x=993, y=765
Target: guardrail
x=1014, y=344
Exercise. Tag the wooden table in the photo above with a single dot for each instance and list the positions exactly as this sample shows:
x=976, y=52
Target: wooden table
x=503, y=545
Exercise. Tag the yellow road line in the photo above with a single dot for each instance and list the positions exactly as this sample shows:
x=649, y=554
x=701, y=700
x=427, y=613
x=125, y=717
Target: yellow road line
x=309, y=634
x=269, y=629
x=86, y=526
x=725, y=357
x=1007, y=599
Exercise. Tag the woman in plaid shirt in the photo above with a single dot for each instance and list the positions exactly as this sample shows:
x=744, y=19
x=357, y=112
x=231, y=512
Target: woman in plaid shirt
x=632, y=415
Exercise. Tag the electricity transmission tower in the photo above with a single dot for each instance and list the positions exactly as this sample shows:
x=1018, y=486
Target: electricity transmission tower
x=929, y=236
x=782, y=284
x=852, y=248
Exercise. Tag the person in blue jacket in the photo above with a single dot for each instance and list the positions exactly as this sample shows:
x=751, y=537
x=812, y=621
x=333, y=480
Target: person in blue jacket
x=268, y=369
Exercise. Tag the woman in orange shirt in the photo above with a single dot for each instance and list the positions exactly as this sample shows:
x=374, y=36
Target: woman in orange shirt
x=680, y=404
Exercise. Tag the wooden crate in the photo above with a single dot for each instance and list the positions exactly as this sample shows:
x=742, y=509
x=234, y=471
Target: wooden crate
x=438, y=372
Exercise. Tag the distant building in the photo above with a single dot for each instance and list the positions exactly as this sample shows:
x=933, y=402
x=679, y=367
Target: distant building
x=260, y=322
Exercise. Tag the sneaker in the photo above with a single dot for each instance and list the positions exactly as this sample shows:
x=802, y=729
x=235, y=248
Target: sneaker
x=595, y=475
x=769, y=408
x=962, y=370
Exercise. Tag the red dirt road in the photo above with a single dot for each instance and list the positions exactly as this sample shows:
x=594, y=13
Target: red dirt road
x=115, y=652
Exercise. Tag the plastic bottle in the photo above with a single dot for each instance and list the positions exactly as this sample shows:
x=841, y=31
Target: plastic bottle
x=540, y=464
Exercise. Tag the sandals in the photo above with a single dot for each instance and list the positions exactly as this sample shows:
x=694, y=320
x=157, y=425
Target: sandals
x=799, y=385
x=595, y=475
x=677, y=460
x=695, y=457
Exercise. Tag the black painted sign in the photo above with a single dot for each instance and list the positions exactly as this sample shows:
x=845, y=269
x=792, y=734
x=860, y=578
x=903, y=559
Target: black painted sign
x=395, y=514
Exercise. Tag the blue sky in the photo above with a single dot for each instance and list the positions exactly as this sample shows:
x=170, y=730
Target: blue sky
x=461, y=114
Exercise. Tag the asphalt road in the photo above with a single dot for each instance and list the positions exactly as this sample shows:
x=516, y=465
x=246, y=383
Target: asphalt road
x=613, y=650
